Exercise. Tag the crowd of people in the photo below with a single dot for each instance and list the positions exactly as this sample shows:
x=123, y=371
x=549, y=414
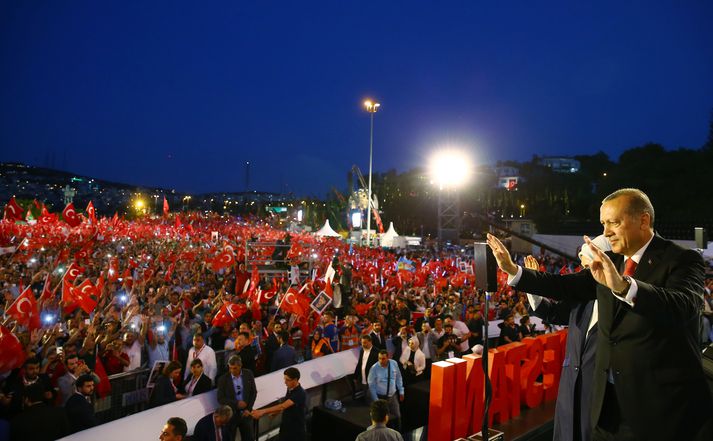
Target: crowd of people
x=109, y=296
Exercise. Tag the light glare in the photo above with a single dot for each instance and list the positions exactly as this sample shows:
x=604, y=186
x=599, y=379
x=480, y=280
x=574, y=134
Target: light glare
x=450, y=168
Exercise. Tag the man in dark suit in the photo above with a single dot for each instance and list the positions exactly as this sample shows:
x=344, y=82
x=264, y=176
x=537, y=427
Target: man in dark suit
x=38, y=421
x=79, y=407
x=368, y=356
x=214, y=426
x=285, y=356
x=377, y=338
x=237, y=389
x=648, y=380
x=271, y=344
x=198, y=382
x=246, y=351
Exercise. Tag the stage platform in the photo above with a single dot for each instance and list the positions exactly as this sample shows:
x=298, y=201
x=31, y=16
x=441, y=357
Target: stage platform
x=327, y=425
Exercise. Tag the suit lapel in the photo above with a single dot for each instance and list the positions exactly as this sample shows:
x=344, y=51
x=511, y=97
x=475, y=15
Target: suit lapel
x=650, y=260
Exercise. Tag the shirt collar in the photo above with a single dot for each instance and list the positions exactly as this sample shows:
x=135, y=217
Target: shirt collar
x=639, y=254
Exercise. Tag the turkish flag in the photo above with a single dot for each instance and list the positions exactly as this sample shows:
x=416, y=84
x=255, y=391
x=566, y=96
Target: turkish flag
x=100, y=284
x=169, y=272
x=91, y=213
x=104, y=386
x=46, y=217
x=73, y=271
x=13, y=354
x=295, y=303
x=223, y=260
x=24, y=310
x=254, y=282
x=128, y=278
x=113, y=273
x=46, y=290
x=221, y=317
x=70, y=215
x=74, y=297
x=84, y=253
x=165, y=207
x=87, y=288
x=419, y=279
x=13, y=210
x=241, y=282
x=229, y=313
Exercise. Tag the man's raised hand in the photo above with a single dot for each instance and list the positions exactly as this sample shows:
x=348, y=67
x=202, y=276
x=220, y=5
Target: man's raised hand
x=502, y=255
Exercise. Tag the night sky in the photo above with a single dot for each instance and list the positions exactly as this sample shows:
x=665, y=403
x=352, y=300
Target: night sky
x=181, y=94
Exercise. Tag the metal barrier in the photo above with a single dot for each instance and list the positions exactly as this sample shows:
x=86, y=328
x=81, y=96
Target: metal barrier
x=130, y=395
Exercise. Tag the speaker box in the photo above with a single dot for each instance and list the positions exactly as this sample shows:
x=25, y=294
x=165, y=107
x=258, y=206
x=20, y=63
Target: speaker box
x=486, y=276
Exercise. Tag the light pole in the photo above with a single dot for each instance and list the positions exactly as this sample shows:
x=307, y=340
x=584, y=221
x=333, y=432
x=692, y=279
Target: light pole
x=371, y=107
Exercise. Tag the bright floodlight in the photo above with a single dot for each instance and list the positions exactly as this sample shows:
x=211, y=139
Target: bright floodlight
x=450, y=168
x=356, y=219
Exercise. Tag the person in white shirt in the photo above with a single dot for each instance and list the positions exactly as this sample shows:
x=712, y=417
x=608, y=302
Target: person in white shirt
x=206, y=355
x=132, y=348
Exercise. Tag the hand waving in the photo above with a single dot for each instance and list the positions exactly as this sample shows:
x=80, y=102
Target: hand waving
x=502, y=255
x=531, y=263
x=603, y=269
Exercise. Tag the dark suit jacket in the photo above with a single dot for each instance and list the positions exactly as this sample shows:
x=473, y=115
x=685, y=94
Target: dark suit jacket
x=80, y=413
x=378, y=340
x=203, y=385
x=226, y=393
x=247, y=354
x=576, y=381
x=162, y=392
x=651, y=349
x=284, y=357
x=205, y=430
x=38, y=423
x=373, y=358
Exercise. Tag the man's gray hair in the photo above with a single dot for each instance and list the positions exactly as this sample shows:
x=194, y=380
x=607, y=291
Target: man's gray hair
x=639, y=203
x=235, y=360
x=224, y=411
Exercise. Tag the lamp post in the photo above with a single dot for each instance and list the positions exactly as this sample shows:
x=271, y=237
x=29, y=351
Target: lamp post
x=371, y=107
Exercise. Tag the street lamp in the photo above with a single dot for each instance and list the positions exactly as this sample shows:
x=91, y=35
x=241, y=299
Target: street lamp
x=371, y=107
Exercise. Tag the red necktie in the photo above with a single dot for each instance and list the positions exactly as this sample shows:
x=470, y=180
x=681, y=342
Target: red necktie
x=629, y=267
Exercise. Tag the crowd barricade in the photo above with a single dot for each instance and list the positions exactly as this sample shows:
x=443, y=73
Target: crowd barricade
x=129, y=394
x=146, y=425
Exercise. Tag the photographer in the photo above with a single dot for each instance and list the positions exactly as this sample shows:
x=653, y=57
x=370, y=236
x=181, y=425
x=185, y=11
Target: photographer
x=448, y=346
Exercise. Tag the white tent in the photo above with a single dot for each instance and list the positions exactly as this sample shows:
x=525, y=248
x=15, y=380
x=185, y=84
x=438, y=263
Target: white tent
x=390, y=239
x=327, y=230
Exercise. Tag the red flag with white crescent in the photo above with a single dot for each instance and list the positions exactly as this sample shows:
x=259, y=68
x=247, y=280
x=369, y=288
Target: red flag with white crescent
x=13, y=353
x=73, y=271
x=69, y=214
x=13, y=210
x=295, y=303
x=47, y=218
x=91, y=213
x=223, y=260
x=24, y=310
x=46, y=290
x=87, y=288
x=100, y=284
